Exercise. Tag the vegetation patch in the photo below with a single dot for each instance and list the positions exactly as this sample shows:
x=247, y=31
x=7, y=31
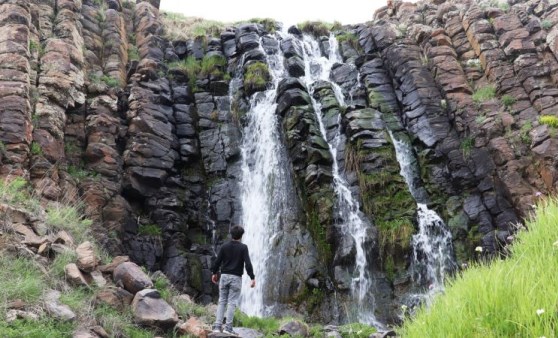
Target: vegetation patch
x=270, y=25
x=213, y=66
x=549, y=120
x=356, y=330
x=514, y=297
x=484, y=94
x=149, y=230
x=256, y=77
x=318, y=28
x=36, y=149
x=350, y=38
x=508, y=100
x=467, y=145
x=180, y=27
x=110, y=81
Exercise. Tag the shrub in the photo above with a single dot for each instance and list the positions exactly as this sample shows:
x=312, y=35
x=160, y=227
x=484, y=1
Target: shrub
x=36, y=149
x=133, y=53
x=503, y=298
x=149, y=230
x=524, y=132
x=256, y=77
x=467, y=145
x=484, y=94
x=508, y=100
x=110, y=81
x=546, y=24
x=549, y=120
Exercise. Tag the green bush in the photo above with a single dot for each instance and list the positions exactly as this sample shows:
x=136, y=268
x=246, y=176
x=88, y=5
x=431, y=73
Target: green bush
x=149, y=230
x=546, y=24
x=110, y=81
x=36, y=149
x=549, y=120
x=256, y=77
x=213, y=66
x=318, y=28
x=508, y=100
x=484, y=94
x=513, y=297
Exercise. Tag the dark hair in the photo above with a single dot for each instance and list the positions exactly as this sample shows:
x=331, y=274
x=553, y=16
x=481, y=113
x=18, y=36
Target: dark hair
x=236, y=232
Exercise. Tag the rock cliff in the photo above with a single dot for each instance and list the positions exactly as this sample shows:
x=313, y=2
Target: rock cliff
x=99, y=104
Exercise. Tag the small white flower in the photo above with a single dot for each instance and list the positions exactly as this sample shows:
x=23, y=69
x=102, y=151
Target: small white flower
x=540, y=312
x=403, y=307
x=538, y=194
x=478, y=249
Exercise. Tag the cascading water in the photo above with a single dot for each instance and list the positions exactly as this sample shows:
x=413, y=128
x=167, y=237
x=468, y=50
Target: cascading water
x=352, y=222
x=263, y=186
x=433, y=256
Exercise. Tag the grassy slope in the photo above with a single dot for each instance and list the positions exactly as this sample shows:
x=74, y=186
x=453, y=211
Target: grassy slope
x=503, y=299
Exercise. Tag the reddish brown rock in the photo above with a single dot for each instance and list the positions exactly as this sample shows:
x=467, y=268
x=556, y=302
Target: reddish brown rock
x=131, y=277
x=151, y=310
x=86, y=258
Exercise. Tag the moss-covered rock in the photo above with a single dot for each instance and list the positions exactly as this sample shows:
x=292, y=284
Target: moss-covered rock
x=256, y=77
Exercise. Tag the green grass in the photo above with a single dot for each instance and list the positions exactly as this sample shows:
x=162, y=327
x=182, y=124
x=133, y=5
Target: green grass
x=318, y=28
x=119, y=323
x=213, y=65
x=484, y=94
x=352, y=39
x=14, y=191
x=36, y=329
x=36, y=149
x=69, y=218
x=467, y=144
x=110, y=81
x=79, y=173
x=20, y=278
x=149, y=230
x=549, y=120
x=256, y=77
x=180, y=27
x=269, y=24
x=133, y=53
x=508, y=100
x=504, y=298
x=356, y=330
x=60, y=261
x=266, y=326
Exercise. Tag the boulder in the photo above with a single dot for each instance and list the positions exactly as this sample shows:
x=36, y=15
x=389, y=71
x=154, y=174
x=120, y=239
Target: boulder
x=193, y=326
x=294, y=328
x=131, y=277
x=150, y=309
x=86, y=260
x=116, y=261
x=57, y=310
x=116, y=297
x=13, y=315
x=74, y=275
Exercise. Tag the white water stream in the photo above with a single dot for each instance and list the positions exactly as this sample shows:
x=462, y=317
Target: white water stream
x=263, y=186
x=432, y=245
x=352, y=222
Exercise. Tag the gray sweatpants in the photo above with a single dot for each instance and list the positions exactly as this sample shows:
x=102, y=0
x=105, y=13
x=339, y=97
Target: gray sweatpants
x=229, y=295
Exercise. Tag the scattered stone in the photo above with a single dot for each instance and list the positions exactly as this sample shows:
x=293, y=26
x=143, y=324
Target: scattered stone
x=99, y=331
x=62, y=237
x=131, y=277
x=44, y=249
x=98, y=278
x=193, y=326
x=57, y=310
x=74, y=275
x=86, y=261
x=30, y=238
x=383, y=334
x=109, y=268
x=17, y=304
x=13, y=315
x=84, y=333
x=151, y=310
x=294, y=328
x=118, y=298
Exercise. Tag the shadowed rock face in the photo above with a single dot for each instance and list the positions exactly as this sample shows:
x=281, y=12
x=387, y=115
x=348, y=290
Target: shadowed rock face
x=93, y=110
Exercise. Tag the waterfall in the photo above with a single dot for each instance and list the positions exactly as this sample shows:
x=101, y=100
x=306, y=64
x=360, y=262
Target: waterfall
x=433, y=256
x=351, y=221
x=263, y=186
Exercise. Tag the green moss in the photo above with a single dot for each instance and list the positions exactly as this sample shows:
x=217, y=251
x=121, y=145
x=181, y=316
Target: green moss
x=549, y=120
x=256, y=77
x=378, y=102
x=318, y=233
x=149, y=230
x=484, y=94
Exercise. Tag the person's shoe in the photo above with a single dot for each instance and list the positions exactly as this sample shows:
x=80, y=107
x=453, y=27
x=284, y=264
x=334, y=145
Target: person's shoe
x=216, y=328
x=229, y=330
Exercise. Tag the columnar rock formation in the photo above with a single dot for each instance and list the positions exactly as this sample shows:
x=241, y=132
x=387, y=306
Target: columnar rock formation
x=99, y=106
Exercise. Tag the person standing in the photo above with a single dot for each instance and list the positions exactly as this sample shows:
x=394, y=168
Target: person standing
x=231, y=259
